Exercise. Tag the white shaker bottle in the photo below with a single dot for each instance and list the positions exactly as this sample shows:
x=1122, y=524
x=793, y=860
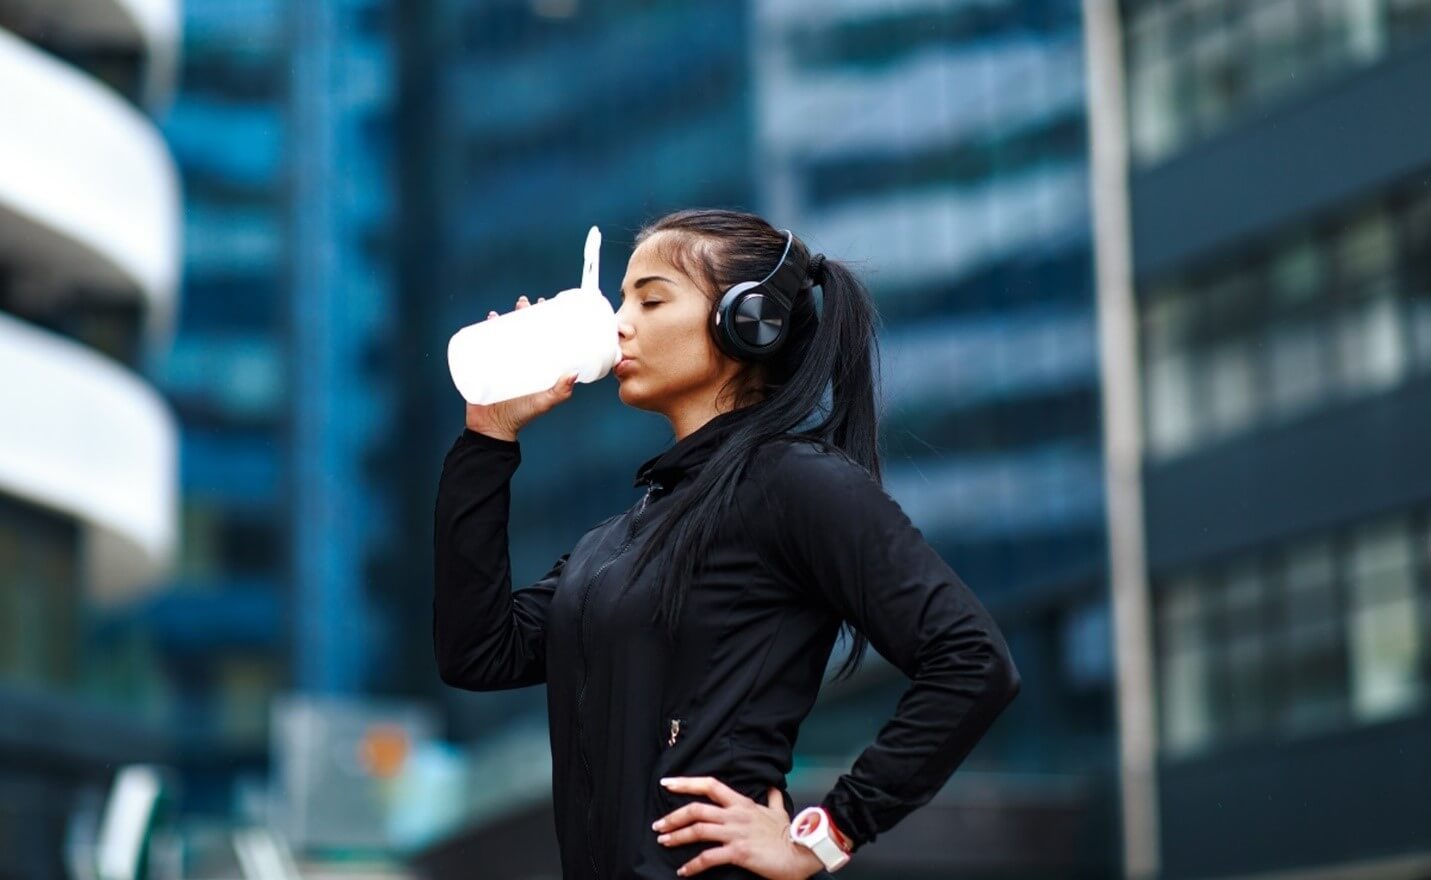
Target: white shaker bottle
x=529, y=349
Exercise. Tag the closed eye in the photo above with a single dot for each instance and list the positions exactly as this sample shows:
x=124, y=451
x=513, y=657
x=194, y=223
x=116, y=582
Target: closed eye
x=650, y=302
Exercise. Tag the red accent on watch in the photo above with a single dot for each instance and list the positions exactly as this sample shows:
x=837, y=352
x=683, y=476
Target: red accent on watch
x=840, y=837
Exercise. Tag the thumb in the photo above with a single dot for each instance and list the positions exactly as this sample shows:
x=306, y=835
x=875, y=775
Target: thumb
x=565, y=384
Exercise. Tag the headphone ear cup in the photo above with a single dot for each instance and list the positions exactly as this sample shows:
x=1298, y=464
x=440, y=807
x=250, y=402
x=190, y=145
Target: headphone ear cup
x=748, y=324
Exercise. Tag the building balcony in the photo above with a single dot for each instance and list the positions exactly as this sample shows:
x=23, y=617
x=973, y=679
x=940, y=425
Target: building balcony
x=91, y=441
x=89, y=195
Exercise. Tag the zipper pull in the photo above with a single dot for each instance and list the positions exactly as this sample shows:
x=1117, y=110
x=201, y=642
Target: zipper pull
x=675, y=731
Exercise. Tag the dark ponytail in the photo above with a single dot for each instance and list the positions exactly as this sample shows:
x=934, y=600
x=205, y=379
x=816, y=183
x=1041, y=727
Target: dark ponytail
x=833, y=351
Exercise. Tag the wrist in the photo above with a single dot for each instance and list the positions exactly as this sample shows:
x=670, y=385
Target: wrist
x=809, y=862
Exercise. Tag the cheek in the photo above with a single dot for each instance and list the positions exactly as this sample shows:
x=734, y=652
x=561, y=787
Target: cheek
x=681, y=347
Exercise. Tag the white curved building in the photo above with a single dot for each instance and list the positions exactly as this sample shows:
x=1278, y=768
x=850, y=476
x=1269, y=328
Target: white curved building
x=89, y=266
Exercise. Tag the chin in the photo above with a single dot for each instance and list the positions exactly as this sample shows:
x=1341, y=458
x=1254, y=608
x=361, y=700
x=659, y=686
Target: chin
x=630, y=394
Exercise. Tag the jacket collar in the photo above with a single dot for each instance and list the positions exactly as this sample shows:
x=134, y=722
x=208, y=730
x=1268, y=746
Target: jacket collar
x=691, y=451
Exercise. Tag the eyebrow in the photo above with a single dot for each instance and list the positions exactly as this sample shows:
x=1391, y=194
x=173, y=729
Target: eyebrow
x=640, y=282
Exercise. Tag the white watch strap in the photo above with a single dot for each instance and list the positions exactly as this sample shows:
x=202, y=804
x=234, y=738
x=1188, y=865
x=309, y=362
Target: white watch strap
x=819, y=840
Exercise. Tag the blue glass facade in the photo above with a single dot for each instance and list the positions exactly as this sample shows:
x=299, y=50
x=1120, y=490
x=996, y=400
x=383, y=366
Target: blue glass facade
x=278, y=373
x=219, y=627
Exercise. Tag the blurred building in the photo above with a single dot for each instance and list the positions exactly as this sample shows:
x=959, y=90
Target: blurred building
x=1281, y=211
x=940, y=150
x=279, y=374
x=89, y=267
x=352, y=595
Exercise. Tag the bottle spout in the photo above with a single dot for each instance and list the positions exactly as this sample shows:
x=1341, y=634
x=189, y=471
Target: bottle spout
x=591, y=267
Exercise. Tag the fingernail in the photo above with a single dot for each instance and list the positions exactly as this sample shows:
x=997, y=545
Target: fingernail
x=656, y=826
x=668, y=780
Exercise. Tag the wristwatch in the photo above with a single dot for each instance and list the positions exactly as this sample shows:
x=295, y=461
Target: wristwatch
x=813, y=828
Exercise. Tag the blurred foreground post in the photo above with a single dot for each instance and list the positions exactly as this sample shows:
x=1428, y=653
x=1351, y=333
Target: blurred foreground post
x=1122, y=447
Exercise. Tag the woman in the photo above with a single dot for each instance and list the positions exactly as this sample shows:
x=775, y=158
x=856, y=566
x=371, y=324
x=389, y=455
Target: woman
x=683, y=641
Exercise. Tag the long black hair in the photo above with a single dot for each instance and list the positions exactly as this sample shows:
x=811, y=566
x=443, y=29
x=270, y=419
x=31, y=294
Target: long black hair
x=834, y=350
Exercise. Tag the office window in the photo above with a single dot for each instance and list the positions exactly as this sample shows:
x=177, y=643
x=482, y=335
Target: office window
x=1405, y=18
x=1169, y=405
x=1424, y=579
x=1296, y=378
x=1365, y=29
x=1365, y=251
x=1086, y=640
x=1273, y=26
x=1153, y=86
x=39, y=596
x=1232, y=385
x=1234, y=56
x=1384, y=636
x=1328, y=629
x=1370, y=351
x=1185, y=667
x=1416, y=275
x=1336, y=310
x=1311, y=664
x=1217, y=77
x=1240, y=684
x=1370, y=354
x=1169, y=402
x=1296, y=272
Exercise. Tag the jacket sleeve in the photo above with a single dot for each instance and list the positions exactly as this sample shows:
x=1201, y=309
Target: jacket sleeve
x=851, y=545
x=485, y=636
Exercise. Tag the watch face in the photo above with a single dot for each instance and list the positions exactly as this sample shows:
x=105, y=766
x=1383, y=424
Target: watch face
x=809, y=824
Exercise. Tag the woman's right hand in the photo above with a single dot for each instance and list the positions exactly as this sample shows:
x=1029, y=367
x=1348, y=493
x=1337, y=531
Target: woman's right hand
x=505, y=418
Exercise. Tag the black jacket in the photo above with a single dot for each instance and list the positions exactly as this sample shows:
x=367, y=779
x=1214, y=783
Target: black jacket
x=811, y=540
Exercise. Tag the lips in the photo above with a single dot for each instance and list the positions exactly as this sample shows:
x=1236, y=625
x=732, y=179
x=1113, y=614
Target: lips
x=623, y=365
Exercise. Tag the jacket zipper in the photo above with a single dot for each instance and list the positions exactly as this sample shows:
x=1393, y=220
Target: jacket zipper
x=675, y=732
x=651, y=488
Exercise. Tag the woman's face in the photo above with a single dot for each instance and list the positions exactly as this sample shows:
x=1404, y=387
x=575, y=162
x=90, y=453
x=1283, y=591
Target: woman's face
x=673, y=364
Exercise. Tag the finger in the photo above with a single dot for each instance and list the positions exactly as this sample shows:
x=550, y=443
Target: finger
x=541, y=299
x=774, y=800
x=522, y=301
x=492, y=314
x=697, y=831
x=564, y=385
x=707, y=785
x=688, y=814
x=720, y=855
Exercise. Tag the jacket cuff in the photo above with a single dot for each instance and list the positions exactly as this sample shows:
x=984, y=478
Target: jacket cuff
x=469, y=437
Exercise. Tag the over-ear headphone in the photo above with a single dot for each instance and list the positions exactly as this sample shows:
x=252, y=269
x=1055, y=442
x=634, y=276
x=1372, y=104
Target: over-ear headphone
x=752, y=319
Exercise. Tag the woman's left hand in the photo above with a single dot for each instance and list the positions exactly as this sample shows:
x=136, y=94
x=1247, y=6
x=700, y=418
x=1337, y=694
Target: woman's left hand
x=752, y=836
